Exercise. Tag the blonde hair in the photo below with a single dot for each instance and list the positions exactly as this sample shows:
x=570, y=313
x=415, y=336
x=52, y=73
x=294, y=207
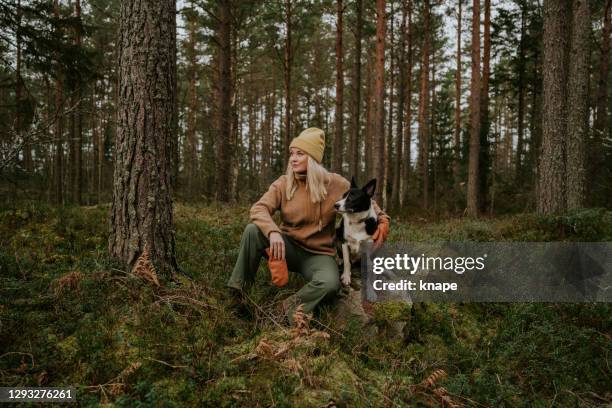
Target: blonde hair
x=316, y=178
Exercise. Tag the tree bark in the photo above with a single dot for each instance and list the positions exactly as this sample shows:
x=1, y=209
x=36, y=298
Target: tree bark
x=408, y=122
x=288, y=62
x=484, y=159
x=552, y=177
x=473, y=184
x=354, y=159
x=191, y=159
x=141, y=216
x=457, y=132
x=224, y=103
x=401, y=97
x=423, y=163
x=578, y=103
x=378, y=157
x=337, y=150
x=521, y=96
x=57, y=131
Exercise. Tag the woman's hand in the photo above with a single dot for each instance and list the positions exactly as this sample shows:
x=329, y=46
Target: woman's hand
x=277, y=245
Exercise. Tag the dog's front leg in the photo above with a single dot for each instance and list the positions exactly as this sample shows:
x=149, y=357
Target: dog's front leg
x=346, y=260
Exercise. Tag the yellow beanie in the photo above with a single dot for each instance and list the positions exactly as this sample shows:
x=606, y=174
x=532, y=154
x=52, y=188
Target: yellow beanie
x=312, y=141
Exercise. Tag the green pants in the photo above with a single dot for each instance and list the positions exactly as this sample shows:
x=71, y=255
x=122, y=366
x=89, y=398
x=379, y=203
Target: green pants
x=320, y=271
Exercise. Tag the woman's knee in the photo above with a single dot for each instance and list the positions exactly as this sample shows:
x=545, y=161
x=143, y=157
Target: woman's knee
x=328, y=284
x=251, y=230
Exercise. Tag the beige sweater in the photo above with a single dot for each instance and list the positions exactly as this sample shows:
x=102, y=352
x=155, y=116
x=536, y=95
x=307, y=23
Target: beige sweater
x=312, y=226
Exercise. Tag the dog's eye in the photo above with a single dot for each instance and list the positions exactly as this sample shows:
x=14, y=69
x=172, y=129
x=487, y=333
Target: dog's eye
x=345, y=194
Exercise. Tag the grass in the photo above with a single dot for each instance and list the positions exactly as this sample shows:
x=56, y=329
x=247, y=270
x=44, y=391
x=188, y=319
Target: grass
x=70, y=316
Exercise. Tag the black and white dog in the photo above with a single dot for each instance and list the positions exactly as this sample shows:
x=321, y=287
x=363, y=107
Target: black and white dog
x=359, y=222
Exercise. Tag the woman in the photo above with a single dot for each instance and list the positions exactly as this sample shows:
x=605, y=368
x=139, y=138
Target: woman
x=305, y=196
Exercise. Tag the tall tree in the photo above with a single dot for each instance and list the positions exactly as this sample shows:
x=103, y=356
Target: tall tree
x=401, y=97
x=141, y=216
x=521, y=94
x=408, y=122
x=578, y=102
x=224, y=101
x=423, y=160
x=356, y=90
x=457, y=131
x=191, y=159
x=337, y=151
x=597, y=177
x=483, y=161
x=551, y=183
x=57, y=131
x=378, y=157
x=287, y=65
x=475, y=91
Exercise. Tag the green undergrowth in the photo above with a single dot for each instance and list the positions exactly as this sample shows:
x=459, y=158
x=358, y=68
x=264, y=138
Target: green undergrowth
x=69, y=316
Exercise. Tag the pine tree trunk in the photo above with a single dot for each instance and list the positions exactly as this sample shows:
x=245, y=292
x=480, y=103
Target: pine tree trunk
x=423, y=163
x=141, y=217
x=552, y=177
x=354, y=159
x=57, y=132
x=484, y=159
x=388, y=146
x=78, y=124
x=578, y=101
x=224, y=103
x=379, y=136
x=191, y=159
x=600, y=127
x=337, y=150
x=370, y=113
x=404, y=183
x=521, y=97
x=473, y=183
x=401, y=97
x=287, y=68
x=457, y=132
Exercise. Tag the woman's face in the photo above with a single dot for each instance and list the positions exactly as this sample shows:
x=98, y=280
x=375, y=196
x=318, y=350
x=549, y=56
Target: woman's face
x=298, y=160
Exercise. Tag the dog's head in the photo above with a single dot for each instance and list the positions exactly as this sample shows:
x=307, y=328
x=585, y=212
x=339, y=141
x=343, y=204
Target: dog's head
x=356, y=199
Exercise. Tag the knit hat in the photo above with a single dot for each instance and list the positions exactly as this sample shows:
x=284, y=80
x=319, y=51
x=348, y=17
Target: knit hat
x=312, y=141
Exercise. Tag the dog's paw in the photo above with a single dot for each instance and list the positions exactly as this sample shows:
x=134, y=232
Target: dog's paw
x=346, y=279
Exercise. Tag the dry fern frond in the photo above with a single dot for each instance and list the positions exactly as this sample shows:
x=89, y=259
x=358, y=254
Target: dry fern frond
x=144, y=267
x=68, y=281
x=433, y=378
x=127, y=371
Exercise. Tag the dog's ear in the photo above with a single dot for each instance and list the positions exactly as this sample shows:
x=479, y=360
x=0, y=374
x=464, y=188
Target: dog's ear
x=353, y=184
x=370, y=187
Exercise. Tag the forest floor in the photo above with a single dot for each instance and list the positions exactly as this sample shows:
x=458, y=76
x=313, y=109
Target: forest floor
x=68, y=316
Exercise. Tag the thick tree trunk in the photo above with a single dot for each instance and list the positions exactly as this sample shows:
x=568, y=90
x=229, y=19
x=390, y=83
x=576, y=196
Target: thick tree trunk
x=337, y=151
x=141, y=217
x=224, y=103
x=473, y=183
x=552, y=177
x=578, y=103
x=354, y=159
x=378, y=157
x=423, y=163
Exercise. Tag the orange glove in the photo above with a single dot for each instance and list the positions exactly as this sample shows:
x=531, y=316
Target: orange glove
x=278, y=270
x=380, y=235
